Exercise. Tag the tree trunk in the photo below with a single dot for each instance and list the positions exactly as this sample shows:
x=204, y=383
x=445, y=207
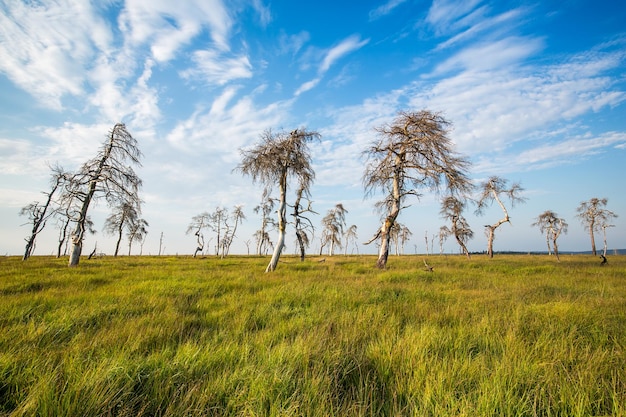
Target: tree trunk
x=119, y=238
x=385, y=238
x=490, y=238
x=301, y=245
x=282, y=226
x=463, y=247
x=593, y=240
x=77, y=245
x=556, y=249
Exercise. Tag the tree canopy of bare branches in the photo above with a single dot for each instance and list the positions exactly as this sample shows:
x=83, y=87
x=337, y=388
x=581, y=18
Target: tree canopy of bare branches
x=124, y=217
x=302, y=224
x=278, y=158
x=110, y=176
x=413, y=153
x=493, y=190
x=452, y=210
x=594, y=216
x=334, y=223
x=549, y=223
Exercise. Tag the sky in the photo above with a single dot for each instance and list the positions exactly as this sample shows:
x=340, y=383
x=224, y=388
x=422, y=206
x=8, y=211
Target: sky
x=535, y=92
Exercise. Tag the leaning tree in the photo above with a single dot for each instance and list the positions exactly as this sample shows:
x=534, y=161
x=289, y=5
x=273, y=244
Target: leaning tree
x=110, y=176
x=494, y=189
x=38, y=214
x=198, y=224
x=412, y=153
x=549, y=223
x=594, y=216
x=276, y=159
x=452, y=210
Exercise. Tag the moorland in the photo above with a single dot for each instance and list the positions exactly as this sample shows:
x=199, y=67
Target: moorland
x=516, y=335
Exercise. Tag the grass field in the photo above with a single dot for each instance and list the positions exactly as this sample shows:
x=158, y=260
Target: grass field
x=516, y=335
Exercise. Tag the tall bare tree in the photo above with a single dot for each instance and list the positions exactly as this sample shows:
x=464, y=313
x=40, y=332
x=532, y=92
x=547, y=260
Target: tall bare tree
x=110, y=176
x=493, y=190
x=277, y=158
x=593, y=215
x=334, y=223
x=198, y=223
x=552, y=225
x=452, y=210
x=413, y=153
x=38, y=214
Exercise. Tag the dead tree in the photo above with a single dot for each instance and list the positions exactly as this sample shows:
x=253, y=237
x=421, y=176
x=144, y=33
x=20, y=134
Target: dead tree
x=275, y=160
x=110, y=176
x=552, y=225
x=452, y=210
x=592, y=215
x=493, y=190
x=413, y=153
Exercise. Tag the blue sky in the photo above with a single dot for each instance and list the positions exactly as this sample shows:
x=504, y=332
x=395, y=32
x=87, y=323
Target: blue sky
x=536, y=92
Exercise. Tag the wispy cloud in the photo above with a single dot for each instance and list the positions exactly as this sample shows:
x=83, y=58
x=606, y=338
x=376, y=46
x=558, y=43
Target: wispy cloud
x=331, y=56
x=47, y=48
x=443, y=14
x=384, y=9
x=167, y=26
x=218, y=68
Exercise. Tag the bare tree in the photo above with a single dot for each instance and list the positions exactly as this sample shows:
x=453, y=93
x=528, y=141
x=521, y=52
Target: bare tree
x=592, y=215
x=265, y=208
x=351, y=236
x=302, y=224
x=493, y=190
x=109, y=175
x=552, y=225
x=124, y=216
x=38, y=214
x=334, y=222
x=452, y=210
x=277, y=158
x=413, y=153
x=137, y=230
x=198, y=223
x=444, y=232
x=218, y=222
x=400, y=234
x=237, y=216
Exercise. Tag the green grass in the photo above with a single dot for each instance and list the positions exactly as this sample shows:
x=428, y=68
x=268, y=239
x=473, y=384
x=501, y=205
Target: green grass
x=174, y=336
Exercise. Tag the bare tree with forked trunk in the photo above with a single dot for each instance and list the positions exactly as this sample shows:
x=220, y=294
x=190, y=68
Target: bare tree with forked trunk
x=452, y=210
x=494, y=189
x=198, y=223
x=594, y=216
x=549, y=223
x=413, y=153
x=275, y=160
x=110, y=176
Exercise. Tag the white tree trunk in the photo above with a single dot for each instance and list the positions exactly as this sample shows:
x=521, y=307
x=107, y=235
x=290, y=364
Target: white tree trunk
x=282, y=226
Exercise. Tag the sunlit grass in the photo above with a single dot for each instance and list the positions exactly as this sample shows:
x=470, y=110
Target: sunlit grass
x=174, y=336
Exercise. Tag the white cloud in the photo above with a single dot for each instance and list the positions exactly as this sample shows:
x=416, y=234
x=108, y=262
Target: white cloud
x=346, y=46
x=215, y=67
x=309, y=85
x=46, y=48
x=167, y=26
